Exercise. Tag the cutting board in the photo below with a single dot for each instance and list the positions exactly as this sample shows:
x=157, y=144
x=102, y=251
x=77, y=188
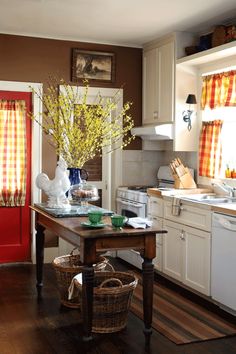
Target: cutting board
x=155, y=192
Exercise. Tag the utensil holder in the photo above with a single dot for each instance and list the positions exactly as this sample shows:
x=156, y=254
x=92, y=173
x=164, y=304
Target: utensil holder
x=185, y=181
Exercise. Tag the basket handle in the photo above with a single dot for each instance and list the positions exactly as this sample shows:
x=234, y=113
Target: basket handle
x=111, y=279
x=111, y=267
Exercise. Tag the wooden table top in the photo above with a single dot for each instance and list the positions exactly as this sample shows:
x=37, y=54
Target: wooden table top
x=73, y=224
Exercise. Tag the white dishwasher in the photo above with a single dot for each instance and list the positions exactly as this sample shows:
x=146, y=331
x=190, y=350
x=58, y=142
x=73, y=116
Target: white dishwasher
x=223, y=266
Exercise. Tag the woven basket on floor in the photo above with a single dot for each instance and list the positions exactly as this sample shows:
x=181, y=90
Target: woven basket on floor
x=112, y=297
x=66, y=267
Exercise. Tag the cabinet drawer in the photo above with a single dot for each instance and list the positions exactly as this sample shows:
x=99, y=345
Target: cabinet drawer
x=189, y=215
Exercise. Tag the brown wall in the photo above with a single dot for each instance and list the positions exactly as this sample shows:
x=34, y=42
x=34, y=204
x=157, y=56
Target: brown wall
x=34, y=59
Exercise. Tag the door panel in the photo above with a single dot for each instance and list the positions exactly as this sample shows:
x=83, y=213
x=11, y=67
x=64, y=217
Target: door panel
x=94, y=169
x=15, y=221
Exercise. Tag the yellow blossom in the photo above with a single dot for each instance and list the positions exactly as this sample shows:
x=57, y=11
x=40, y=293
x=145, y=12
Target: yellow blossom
x=79, y=132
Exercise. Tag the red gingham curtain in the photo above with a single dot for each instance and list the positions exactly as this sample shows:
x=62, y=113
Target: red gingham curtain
x=219, y=90
x=210, y=149
x=12, y=153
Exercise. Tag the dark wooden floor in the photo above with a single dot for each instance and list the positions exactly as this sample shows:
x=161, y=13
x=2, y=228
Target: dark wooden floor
x=28, y=327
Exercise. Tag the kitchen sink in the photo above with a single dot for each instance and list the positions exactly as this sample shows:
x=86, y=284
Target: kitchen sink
x=210, y=199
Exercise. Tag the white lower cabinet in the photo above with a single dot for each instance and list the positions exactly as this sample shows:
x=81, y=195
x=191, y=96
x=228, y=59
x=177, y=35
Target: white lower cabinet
x=155, y=213
x=184, y=252
x=157, y=261
x=186, y=255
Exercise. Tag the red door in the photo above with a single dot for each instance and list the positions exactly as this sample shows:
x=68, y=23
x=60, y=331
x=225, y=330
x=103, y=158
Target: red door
x=15, y=221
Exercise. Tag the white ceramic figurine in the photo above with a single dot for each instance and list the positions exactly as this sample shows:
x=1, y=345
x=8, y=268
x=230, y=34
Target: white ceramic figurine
x=57, y=187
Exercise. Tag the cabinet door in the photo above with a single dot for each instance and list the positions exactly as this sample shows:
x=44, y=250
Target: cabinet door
x=197, y=259
x=157, y=261
x=150, y=86
x=173, y=250
x=166, y=83
x=155, y=207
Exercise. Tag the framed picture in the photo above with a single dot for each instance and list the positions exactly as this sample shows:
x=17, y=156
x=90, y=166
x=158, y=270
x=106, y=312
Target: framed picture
x=97, y=66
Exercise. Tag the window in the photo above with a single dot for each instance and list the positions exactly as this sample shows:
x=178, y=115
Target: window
x=219, y=103
x=228, y=135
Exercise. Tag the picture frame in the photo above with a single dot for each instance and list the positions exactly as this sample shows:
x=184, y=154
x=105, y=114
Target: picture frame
x=93, y=65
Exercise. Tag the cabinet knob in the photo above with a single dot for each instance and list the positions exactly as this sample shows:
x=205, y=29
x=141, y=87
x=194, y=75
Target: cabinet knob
x=182, y=235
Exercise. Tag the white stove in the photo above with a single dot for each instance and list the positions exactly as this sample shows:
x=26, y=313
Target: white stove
x=132, y=202
x=136, y=194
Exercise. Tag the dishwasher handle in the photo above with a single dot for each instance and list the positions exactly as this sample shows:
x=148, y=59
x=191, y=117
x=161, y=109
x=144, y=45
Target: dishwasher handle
x=225, y=222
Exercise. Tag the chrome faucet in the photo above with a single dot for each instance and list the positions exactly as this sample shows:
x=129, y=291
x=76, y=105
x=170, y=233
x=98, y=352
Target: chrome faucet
x=226, y=188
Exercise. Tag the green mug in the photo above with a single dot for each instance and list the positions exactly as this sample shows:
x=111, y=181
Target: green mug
x=95, y=217
x=118, y=220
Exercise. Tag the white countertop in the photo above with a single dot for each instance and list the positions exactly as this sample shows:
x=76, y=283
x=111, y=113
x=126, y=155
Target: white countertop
x=226, y=208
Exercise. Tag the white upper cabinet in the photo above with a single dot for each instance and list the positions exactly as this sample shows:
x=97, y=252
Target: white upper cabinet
x=150, y=86
x=158, y=83
x=166, y=82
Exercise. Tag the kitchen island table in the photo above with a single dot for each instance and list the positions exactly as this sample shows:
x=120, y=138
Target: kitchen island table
x=92, y=242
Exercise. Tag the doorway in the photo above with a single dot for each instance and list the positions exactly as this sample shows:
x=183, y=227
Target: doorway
x=108, y=176
x=113, y=165
x=15, y=220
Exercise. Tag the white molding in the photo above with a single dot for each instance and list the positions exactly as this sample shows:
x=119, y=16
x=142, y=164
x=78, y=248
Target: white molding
x=36, y=148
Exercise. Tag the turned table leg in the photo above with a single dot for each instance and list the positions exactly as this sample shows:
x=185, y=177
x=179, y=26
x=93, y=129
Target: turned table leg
x=39, y=258
x=148, y=276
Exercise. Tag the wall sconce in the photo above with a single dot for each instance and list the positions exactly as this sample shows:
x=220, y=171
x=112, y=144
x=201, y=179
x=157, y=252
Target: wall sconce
x=191, y=99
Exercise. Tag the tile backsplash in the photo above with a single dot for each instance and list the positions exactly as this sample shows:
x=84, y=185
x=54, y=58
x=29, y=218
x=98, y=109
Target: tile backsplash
x=140, y=167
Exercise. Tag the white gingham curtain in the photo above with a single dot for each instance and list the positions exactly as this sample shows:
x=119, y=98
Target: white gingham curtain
x=12, y=153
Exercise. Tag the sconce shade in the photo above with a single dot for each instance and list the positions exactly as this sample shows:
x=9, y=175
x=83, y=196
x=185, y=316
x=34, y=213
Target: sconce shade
x=191, y=99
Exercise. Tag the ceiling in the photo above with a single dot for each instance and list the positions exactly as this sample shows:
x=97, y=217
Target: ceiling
x=120, y=22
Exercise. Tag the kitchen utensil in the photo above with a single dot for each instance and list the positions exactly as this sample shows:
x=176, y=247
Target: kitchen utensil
x=181, y=174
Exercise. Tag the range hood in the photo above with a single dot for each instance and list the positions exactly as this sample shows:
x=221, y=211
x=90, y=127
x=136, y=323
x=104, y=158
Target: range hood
x=154, y=132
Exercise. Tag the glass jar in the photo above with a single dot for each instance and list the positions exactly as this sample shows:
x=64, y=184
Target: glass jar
x=83, y=192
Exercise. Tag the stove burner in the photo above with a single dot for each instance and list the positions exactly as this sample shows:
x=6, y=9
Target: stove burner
x=140, y=188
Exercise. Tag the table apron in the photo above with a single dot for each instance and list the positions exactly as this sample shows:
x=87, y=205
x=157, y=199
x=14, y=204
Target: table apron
x=58, y=229
x=145, y=244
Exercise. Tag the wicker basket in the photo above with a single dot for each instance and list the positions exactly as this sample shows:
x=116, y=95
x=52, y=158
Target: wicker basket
x=112, y=297
x=66, y=267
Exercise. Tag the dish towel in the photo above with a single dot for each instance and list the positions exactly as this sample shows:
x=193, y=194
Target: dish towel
x=72, y=290
x=176, y=204
x=139, y=223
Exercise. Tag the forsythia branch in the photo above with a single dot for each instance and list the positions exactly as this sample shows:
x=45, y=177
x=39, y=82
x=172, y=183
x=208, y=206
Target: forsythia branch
x=80, y=131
